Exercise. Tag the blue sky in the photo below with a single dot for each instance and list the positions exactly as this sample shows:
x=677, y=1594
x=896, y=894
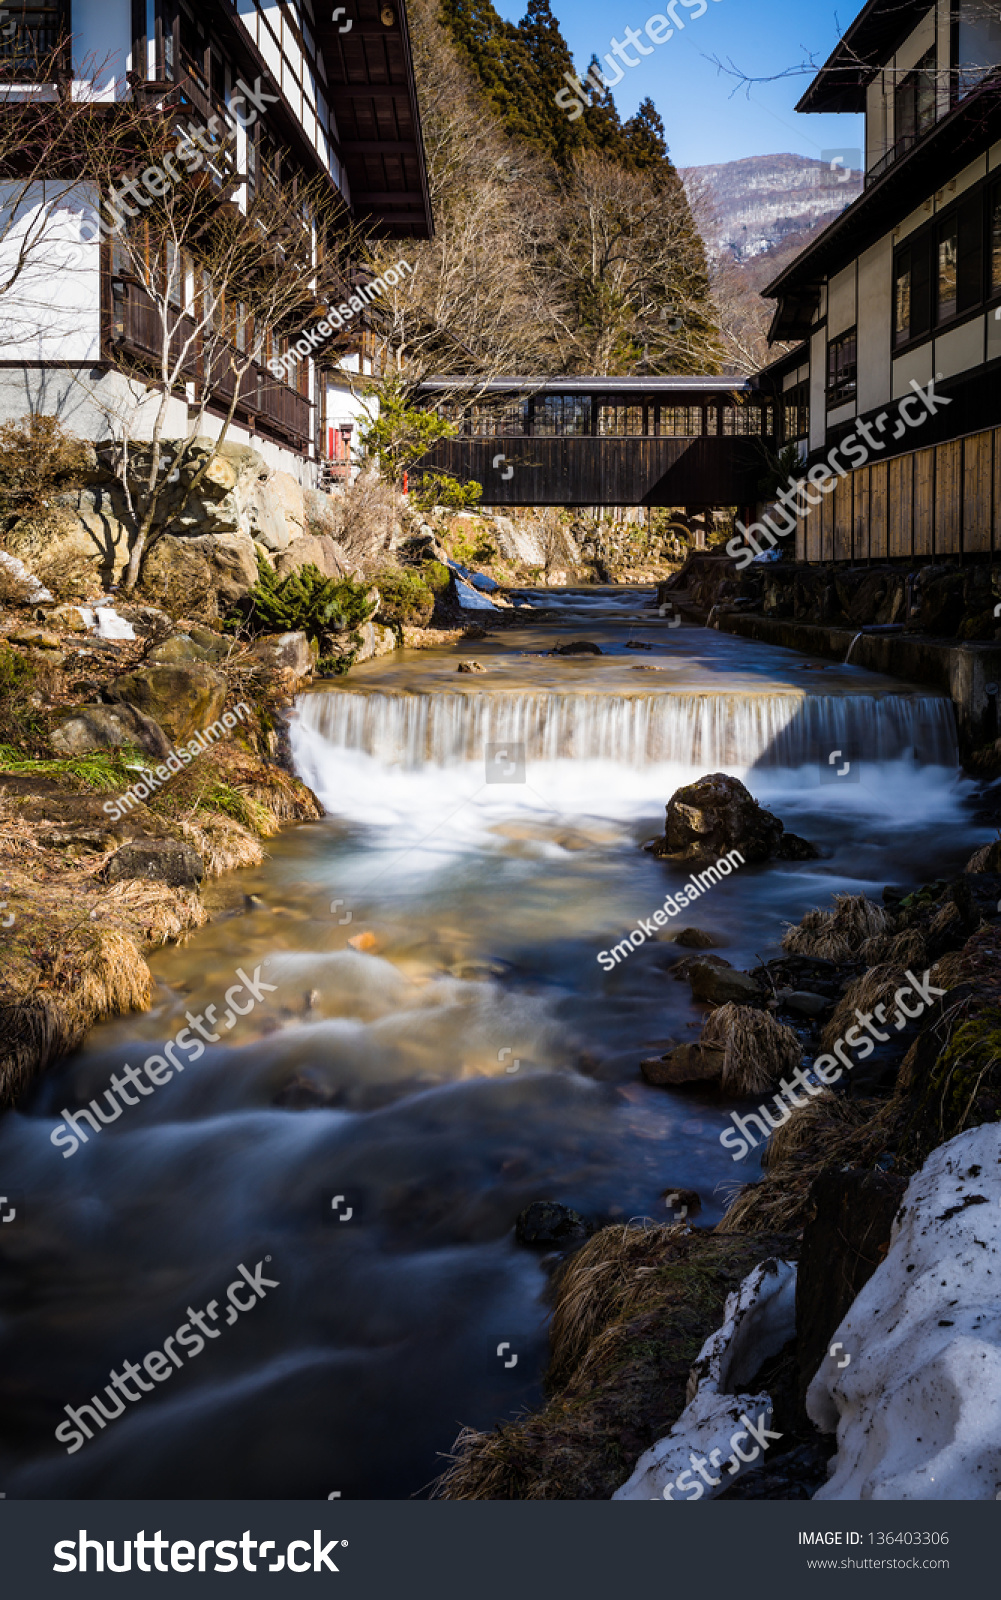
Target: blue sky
x=704, y=119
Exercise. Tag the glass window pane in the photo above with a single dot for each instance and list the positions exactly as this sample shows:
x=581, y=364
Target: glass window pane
x=947, y=257
x=902, y=300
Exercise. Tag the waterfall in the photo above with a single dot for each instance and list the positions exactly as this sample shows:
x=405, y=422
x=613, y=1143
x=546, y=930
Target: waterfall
x=705, y=730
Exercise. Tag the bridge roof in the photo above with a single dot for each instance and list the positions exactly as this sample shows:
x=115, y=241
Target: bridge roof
x=593, y=385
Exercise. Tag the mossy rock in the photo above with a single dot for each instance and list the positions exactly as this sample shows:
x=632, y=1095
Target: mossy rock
x=956, y=1088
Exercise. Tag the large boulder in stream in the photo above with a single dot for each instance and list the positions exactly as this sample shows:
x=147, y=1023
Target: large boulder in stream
x=708, y=819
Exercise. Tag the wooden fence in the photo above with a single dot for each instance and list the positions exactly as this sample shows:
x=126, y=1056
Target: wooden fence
x=943, y=501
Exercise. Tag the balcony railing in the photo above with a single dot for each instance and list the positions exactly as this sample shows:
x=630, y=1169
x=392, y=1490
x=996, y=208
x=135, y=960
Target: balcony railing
x=138, y=328
x=894, y=153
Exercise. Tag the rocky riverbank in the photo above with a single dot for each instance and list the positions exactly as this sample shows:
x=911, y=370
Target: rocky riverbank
x=634, y=1305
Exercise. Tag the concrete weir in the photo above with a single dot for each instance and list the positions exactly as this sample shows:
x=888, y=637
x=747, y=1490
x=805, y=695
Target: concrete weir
x=969, y=673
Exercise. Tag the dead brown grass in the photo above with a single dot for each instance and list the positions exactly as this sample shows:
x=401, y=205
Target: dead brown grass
x=873, y=988
x=633, y=1309
x=836, y=935
x=903, y=950
x=830, y=1131
x=758, y=1050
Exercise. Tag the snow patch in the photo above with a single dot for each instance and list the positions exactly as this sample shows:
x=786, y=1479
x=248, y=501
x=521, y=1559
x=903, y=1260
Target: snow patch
x=918, y=1409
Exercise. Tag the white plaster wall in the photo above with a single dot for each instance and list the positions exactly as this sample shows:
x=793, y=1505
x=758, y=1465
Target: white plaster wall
x=875, y=323
x=915, y=45
x=841, y=301
x=915, y=364
x=960, y=349
x=910, y=223
x=818, y=381
x=52, y=310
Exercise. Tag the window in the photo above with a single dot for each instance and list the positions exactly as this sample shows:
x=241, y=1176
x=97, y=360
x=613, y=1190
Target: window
x=743, y=421
x=491, y=422
x=620, y=421
x=560, y=415
x=29, y=36
x=946, y=284
x=842, y=368
x=912, y=286
x=914, y=101
x=679, y=422
x=976, y=44
x=796, y=411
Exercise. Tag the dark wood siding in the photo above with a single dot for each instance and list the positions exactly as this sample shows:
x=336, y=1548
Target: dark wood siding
x=605, y=472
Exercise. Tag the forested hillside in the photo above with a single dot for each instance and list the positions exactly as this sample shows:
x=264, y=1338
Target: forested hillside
x=561, y=246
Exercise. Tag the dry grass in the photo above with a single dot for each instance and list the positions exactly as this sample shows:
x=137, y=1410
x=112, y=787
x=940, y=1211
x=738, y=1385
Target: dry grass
x=873, y=988
x=364, y=519
x=605, y=1280
x=906, y=949
x=836, y=935
x=758, y=1050
x=224, y=845
x=831, y=1131
x=633, y=1309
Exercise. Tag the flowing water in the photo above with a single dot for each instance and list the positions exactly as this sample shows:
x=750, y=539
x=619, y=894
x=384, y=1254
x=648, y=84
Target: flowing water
x=465, y=1055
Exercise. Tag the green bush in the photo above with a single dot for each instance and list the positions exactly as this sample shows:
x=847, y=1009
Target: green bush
x=305, y=602
x=406, y=598
x=436, y=575
x=438, y=489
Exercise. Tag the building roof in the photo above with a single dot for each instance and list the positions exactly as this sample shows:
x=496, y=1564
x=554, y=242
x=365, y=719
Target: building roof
x=593, y=385
x=863, y=48
x=373, y=95
x=967, y=130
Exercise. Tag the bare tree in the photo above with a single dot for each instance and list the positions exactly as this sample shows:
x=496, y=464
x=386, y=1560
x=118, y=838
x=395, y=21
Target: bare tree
x=217, y=279
x=622, y=251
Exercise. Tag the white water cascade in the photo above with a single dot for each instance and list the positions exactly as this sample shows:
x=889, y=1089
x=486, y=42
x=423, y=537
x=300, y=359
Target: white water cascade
x=710, y=731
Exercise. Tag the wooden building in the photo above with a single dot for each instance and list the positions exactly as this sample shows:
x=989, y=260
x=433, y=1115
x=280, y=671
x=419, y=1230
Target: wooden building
x=904, y=289
x=341, y=105
x=680, y=441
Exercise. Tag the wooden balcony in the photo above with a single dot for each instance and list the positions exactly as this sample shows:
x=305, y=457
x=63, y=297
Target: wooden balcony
x=265, y=402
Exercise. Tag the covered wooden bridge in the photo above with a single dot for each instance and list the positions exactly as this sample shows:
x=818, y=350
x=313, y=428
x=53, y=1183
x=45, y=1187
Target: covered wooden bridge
x=680, y=441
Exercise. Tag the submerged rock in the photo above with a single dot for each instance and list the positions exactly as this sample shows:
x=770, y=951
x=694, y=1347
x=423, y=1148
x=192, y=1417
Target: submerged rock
x=694, y=939
x=918, y=1407
x=547, y=1223
x=716, y=985
x=710, y=818
x=578, y=647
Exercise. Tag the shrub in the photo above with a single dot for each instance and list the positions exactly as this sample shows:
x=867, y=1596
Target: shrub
x=438, y=489
x=22, y=726
x=38, y=459
x=305, y=602
x=436, y=575
x=406, y=598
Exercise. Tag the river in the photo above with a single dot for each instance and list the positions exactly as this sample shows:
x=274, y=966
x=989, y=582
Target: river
x=465, y=1056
